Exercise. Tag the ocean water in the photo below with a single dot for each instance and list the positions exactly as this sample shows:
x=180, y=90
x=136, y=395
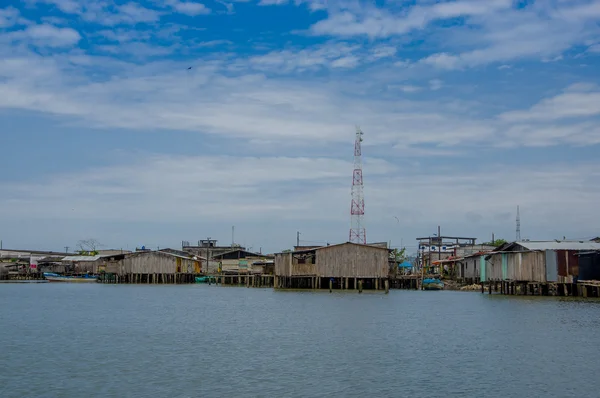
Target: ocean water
x=74, y=340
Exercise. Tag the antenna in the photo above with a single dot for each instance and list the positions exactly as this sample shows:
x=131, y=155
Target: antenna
x=518, y=225
x=358, y=233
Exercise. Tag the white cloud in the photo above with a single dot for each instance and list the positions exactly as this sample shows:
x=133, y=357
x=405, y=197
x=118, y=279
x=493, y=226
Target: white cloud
x=407, y=88
x=235, y=186
x=272, y=2
x=106, y=12
x=191, y=8
x=435, y=84
x=384, y=51
x=336, y=55
x=282, y=111
x=576, y=102
x=307, y=192
x=9, y=17
x=134, y=13
x=46, y=36
x=493, y=31
x=376, y=22
x=345, y=62
x=67, y=6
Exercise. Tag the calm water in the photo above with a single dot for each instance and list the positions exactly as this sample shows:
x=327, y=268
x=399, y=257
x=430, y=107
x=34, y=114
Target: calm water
x=68, y=340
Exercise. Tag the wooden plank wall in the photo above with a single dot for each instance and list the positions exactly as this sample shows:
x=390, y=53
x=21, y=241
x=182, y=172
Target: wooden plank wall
x=350, y=260
x=287, y=265
x=155, y=263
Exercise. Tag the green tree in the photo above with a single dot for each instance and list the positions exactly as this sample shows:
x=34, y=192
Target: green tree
x=496, y=242
x=88, y=247
x=399, y=255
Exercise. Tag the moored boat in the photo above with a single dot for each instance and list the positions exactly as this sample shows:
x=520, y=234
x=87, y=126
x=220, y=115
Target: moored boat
x=433, y=284
x=206, y=279
x=52, y=277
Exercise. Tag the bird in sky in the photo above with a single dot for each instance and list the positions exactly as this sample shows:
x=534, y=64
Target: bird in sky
x=189, y=68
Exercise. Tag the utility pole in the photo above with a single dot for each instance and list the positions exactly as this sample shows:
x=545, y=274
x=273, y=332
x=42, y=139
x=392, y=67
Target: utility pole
x=518, y=235
x=207, y=254
x=67, y=249
x=440, y=248
x=232, y=235
x=297, y=238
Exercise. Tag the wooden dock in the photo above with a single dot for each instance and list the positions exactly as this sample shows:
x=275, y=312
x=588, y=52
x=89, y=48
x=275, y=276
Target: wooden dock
x=582, y=289
x=147, y=279
x=407, y=282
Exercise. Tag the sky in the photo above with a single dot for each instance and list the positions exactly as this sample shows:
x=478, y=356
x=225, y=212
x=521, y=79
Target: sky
x=469, y=108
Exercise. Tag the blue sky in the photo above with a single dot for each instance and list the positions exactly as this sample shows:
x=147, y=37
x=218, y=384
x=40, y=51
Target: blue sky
x=469, y=109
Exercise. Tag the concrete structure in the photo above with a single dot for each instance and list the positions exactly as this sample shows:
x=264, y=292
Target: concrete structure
x=239, y=261
x=341, y=265
x=207, y=248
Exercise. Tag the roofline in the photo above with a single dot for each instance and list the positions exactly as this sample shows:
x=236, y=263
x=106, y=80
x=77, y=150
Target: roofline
x=445, y=237
x=352, y=243
x=190, y=257
x=239, y=249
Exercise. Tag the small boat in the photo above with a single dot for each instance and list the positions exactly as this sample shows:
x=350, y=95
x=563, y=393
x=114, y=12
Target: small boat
x=52, y=277
x=206, y=279
x=433, y=284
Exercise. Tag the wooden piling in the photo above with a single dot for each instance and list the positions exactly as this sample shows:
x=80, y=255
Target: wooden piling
x=360, y=286
x=330, y=285
x=387, y=286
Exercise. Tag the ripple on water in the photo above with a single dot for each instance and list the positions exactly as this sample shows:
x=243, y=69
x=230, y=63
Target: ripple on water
x=189, y=341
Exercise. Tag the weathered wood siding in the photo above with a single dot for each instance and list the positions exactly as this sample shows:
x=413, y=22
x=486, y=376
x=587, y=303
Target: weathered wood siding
x=351, y=260
x=493, y=267
x=470, y=268
x=155, y=263
x=515, y=266
x=287, y=265
x=87, y=266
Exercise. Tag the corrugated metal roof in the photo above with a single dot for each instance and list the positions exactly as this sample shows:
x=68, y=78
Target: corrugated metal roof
x=82, y=258
x=560, y=245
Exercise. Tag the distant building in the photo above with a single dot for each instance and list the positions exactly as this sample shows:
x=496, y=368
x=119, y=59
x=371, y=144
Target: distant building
x=207, y=247
x=534, y=261
x=344, y=264
x=156, y=263
x=239, y=261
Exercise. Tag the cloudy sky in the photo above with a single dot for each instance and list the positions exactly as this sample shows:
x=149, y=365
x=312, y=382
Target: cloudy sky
x=469, y=108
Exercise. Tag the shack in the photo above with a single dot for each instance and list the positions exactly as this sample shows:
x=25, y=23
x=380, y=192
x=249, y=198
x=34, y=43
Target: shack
x=536, y=261
x=343, y=265
x=156, y=267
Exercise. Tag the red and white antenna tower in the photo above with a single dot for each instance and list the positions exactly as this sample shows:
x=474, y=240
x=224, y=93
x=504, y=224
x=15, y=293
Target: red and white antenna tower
x=357, y=208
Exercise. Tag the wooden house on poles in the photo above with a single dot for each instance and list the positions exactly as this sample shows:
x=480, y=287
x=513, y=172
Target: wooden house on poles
x=341, y=266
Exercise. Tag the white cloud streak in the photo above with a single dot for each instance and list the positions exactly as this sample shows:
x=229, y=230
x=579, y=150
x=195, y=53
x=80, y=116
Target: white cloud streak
x=493, y=31
x=45, y=36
